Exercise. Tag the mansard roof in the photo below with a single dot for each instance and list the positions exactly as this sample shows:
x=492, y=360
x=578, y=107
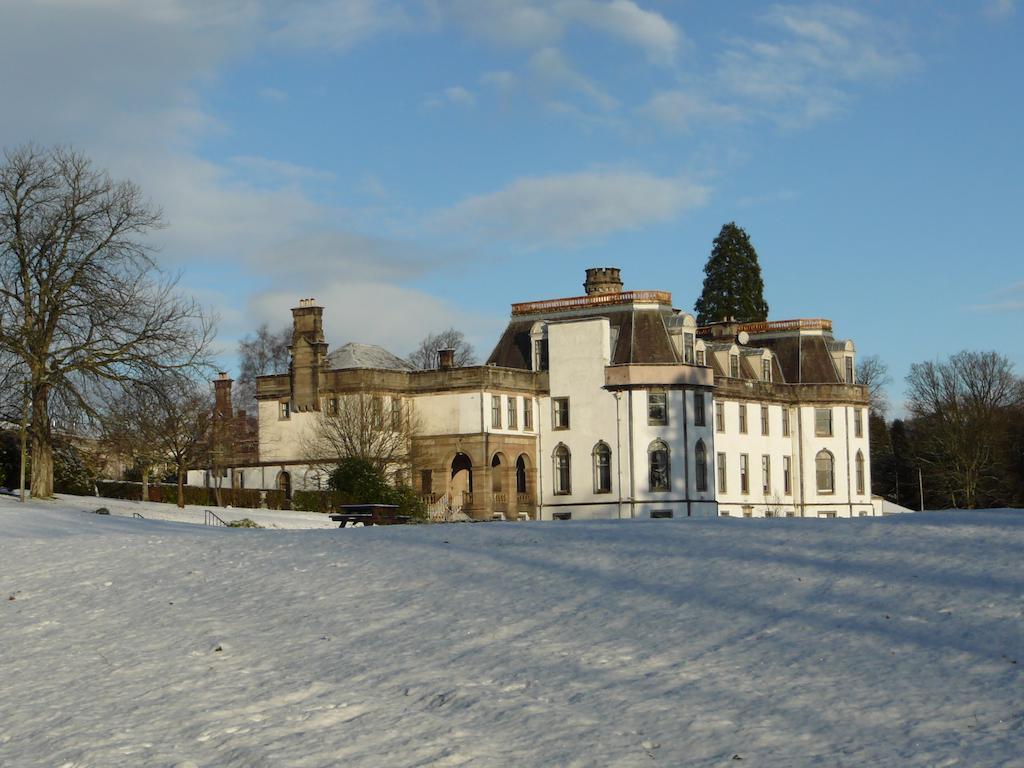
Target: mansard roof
x=353, y=355
x=639, y=337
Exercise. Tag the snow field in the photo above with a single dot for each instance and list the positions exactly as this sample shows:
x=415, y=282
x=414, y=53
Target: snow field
x=895, y=641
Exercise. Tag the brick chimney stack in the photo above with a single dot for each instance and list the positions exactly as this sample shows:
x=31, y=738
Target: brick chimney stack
x=222, y=395
x=445, y=359
x=603, y=280
x=308, y=350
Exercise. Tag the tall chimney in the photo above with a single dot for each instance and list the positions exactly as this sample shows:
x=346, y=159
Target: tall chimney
x=603, y=280
x=445, y=359
x=222, y=395
x=308, y=350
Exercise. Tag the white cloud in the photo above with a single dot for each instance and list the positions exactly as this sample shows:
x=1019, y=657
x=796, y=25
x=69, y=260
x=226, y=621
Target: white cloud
x=681, y=110
x=568, y=209
x=625, y=20
x=552, y=68
x=1000, y=10
x=280, y=169
x=338, y=24
x=377, y=313
x=500, y=79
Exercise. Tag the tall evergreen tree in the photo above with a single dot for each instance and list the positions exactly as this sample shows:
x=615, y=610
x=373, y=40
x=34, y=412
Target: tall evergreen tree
x=732, y=283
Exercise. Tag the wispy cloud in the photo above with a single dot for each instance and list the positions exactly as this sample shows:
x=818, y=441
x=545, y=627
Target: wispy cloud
x=265, y=167
x=1009, y=298
x=552, y=69
x=569, y=209
x=999, y=10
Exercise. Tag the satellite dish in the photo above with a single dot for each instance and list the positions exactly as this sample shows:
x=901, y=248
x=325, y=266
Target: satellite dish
x=742, y=337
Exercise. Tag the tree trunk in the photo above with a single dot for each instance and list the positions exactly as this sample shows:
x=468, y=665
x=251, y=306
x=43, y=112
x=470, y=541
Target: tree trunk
x=181, y=488
x=145, y=483
x=42, y=444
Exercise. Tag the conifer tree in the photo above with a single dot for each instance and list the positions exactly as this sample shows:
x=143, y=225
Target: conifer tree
x=732, y=284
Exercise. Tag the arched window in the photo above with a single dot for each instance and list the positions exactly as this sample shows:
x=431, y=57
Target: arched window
x=562, y=475
x=657, y=459
x=860, y=471
x=520, y=475
x=602, y=468
x=824, y=466
x=701, y=465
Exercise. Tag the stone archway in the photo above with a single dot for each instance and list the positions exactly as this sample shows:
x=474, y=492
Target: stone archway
x=284, y=483
x=460, y=486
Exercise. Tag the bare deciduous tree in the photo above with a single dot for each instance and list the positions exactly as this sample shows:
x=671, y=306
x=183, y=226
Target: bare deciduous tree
x=874, y=373
x=82, y=303
x=260, y=355
x=961, y=406
x=425, y=356
x=163, y=422
x=365, y=426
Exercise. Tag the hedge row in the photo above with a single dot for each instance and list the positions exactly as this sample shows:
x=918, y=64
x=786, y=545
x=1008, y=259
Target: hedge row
x=245, y=498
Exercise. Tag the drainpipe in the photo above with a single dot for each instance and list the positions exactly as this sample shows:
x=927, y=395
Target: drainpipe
x=618, y=450
x=540, y=461
x=800, y=452
x=849, y=487
x=686, y=458
x=632, y=462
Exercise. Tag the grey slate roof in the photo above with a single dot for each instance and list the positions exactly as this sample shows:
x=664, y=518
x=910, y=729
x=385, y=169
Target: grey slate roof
x=353, y=355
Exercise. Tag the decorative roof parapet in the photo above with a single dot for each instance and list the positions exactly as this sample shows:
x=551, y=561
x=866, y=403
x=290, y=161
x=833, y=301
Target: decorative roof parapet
x=776, y=326
x=595, y=300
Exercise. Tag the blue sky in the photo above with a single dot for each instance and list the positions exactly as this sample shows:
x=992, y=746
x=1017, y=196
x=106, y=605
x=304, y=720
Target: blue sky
x=414, y=165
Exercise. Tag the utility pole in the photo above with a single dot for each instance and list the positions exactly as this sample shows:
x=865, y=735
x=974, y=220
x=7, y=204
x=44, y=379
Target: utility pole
x=24, y=441
x=920, y=483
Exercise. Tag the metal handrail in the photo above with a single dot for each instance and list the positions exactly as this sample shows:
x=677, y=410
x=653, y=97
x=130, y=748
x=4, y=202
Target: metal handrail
x=136, y=514
x=215, y=520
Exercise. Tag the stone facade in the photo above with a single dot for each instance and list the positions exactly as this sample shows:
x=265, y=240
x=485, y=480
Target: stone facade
x=608, y=405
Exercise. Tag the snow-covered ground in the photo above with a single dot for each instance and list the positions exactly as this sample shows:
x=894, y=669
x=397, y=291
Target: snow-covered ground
x=867, y=642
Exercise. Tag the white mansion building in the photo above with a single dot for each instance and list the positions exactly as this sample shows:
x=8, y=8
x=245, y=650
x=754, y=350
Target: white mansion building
x=607, y=405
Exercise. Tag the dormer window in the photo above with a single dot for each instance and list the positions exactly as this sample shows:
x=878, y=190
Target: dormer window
x=688, y=348
x=766, y=369
x=700, y=357
x=540, y=355
x=734, y=366
x=849, y=370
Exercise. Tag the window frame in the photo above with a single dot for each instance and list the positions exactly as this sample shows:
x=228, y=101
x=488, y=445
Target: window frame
x=766, y=473
x=527, y=414
x=858, y=422
x=745, y=474
x=561, y=453
x=512, y=412
x=652, y=421
x=602, y=451
x=859, y=472
x=700, y=417
x=787, y=475
x=765, y=426
x=720, y=416
x=557, y=404
x=721, y=468
x=819, y=430
x=743, y=418
x=734, y=366
x=495, y=411
x=284, y=410
x=700, y=464
x=831, y=488
x=785, y=421
x=656, y=448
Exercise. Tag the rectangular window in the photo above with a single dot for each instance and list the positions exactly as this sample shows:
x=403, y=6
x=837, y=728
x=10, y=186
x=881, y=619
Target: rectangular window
x=764, y=419
x=766, y=370
x=734, y=366
x=698, y=409
x=561, y=516
x=528, y=413
x=700, y=357
x=720, y=467
x=284, y=410
x=396, y=413
x=602, y=469
x=661, y=514
x=743, y=418
x=858, y=423
x=540, y=355
x=723, y=513
x=657, y=408
x=560, y=413
x=688, y=348
x=785, y=421
x=513, y=412
x=496, y=411
x=787, y=477
x=332, y=407
x=426, y=481
x=823, y=422
x=849, y=370
x=720, y=416
x=766, y=474
x=826, y=514
x=744, y=473
x=563, y=475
